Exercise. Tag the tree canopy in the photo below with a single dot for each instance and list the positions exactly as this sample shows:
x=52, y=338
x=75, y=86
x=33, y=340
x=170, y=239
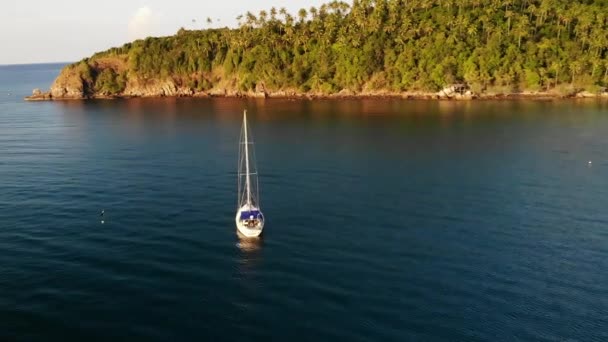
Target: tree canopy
x=392, y=45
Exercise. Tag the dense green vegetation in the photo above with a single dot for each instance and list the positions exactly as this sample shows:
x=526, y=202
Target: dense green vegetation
x=393, y=45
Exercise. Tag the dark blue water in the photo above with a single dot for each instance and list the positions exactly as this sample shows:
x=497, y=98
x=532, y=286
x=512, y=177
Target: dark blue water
x=387, y=220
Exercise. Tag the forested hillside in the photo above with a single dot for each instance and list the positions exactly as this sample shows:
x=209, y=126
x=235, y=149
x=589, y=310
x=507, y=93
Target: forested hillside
x=376, y=45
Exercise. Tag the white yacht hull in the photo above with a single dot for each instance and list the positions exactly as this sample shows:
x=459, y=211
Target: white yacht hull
x=249, y=226
x=249, y=232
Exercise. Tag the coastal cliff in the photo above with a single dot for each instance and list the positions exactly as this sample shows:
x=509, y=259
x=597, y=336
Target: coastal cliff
x=108, y=78
x=79, y=81
x=522, y=48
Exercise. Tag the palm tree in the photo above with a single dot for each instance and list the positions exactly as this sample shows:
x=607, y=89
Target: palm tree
x=302, y=14
x=509, y=15
x=273, y=13
x=520, y=29
x=313, y=12
x=556, y=67
x=283, y=12
x=251, y=19
x=262, y=18
x=575, y=69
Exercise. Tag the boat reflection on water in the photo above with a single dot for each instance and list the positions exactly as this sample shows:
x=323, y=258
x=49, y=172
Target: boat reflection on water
x=250, y=257
x=249, y=244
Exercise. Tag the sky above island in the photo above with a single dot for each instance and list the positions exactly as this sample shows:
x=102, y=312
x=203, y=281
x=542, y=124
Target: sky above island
x=40, y=31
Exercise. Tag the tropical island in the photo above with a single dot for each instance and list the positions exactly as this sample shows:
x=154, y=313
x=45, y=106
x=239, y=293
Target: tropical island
x=427, y=49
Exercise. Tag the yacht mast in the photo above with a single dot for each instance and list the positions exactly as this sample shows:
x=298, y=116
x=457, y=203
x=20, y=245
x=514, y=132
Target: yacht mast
x=247, y=185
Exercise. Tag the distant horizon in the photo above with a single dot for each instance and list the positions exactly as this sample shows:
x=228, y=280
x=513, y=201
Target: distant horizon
x=37, y=63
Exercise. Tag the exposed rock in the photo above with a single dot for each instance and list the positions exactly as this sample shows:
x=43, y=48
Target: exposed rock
x=67, y=91
x=153, y=88
x=284, y=94
x=149, y=88
x=418, y=95
x=234, y=93
x=217, y=92
x=38, y=95
x=463, y=97
x=260, y=90
x=585, y=94
x=346, y=92
x=200, y=94
x=70, y=84
x=454, y=91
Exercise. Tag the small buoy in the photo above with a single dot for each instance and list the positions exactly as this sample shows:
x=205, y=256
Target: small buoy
x=590, y=162
x=102, y=222
x=102, y=212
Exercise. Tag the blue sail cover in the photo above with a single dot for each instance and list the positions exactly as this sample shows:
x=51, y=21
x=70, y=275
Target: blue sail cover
x=247, y=215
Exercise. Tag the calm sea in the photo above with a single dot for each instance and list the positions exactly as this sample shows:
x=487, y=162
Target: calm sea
x=387, y=220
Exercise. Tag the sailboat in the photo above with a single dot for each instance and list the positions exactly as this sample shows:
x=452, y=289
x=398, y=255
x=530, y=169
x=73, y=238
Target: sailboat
x=249, y=218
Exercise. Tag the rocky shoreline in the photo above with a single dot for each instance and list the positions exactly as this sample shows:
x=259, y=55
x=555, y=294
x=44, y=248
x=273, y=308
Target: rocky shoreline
x=71, y=85
x=38, y=95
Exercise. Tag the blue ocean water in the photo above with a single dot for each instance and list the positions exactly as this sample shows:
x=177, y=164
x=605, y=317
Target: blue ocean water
x=387, y=220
